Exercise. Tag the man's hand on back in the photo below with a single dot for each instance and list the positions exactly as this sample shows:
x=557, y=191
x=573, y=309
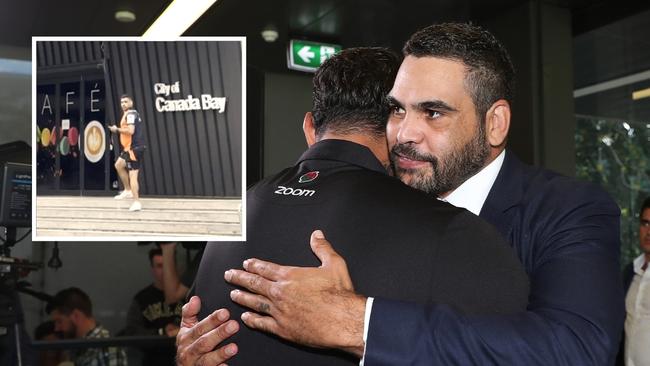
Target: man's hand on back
x=196, y=341
x=312, y=306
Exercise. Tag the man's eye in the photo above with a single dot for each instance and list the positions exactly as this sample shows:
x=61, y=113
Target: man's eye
x=396, y=110
x=433, y=114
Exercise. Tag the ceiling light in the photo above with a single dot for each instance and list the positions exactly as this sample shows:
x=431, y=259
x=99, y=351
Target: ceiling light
x=125, y=16
x=177, y=18
x=270, y=35
x=640, y=94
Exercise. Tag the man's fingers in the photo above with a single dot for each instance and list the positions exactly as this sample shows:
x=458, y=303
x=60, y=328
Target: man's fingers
x=208, y=341
x=217, y=357
x=260, y=322
x=190, y=312
x=322, y=248
x=252, y=282
x=256, y=302
x=208, y=324
x=268, y=270
x=330, y=258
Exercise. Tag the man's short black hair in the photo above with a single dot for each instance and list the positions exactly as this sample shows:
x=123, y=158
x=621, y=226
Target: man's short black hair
x=644, y=206
x=154, y=252
x=69, y=299
x=43, y=330
x=127, y=96
x=490, y=73
x=350, y=91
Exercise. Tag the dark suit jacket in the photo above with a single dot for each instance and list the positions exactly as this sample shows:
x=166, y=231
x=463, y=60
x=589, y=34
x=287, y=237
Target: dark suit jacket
x=628, y=276
x=398, y=243
x=566, y=233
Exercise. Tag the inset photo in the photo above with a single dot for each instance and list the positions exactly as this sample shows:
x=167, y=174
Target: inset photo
x=138, y=140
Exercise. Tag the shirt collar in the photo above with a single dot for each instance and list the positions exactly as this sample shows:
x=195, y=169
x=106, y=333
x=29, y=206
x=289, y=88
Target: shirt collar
x=472, y=194
x=638, y=263
x=343, y=151
x=93, y=332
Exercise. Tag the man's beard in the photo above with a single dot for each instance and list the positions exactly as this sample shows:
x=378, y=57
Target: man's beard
x=446, y=173
x=70, y=333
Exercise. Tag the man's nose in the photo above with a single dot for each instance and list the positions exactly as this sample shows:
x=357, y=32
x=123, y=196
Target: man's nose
x=410, y=130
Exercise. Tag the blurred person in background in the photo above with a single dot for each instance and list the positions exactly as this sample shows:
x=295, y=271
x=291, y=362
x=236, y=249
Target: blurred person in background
x=49, y=357
x=637, y=301
x=72, y=314
x=149, y=314
x=176, y=288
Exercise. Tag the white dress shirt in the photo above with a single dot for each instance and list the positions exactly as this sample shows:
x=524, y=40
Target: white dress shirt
x=470, y=195
x=637, y=321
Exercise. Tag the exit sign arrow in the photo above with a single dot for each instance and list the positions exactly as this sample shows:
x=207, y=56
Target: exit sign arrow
x=308, y=56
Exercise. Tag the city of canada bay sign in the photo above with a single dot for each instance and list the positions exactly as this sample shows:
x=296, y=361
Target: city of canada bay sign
x=203, y=102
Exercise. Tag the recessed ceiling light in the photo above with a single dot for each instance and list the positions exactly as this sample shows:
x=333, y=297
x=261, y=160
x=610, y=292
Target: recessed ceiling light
x=270, y=35
x=125, y=16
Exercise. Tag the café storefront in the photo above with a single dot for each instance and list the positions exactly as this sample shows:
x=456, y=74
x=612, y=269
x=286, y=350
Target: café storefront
x=188, y=93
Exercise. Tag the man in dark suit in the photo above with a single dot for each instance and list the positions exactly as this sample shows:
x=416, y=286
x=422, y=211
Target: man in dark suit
x=447, y=133
x=446, y=255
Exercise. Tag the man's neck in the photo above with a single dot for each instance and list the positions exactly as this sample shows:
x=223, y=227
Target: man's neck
x=85, y=326
x=473, y=193
x=494, y=153
x=377, y=145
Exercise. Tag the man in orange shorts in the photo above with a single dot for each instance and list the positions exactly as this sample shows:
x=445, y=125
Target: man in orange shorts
x=132, y=141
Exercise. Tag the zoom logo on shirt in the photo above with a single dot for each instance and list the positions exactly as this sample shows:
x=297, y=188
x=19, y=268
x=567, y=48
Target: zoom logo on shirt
x=288, y=191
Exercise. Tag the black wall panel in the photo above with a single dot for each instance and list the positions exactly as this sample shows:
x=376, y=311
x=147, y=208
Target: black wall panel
x=49, y=54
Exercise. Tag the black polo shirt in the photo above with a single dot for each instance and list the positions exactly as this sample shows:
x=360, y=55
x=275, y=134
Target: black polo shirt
x=133, y=118
x=398, y=242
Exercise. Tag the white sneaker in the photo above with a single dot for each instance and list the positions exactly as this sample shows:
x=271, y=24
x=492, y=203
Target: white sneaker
x=136, y=206
x=123, y=195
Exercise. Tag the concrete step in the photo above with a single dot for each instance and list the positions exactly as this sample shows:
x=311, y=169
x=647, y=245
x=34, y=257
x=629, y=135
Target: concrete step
x=146, y=214
x=60, y=217
x=130, y=226
x=111, y=235
x=152, y=203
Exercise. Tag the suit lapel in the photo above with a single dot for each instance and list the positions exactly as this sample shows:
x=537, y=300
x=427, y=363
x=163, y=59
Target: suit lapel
x=506, y=194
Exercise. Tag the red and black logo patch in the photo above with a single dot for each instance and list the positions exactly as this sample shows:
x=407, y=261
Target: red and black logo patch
x=308, y=177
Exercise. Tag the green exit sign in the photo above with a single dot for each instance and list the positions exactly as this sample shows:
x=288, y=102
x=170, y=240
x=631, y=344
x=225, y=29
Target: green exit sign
x=308, y=56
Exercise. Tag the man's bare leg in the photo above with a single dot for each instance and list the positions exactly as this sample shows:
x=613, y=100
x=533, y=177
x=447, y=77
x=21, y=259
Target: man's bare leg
x=135, y=187
x=120, y=167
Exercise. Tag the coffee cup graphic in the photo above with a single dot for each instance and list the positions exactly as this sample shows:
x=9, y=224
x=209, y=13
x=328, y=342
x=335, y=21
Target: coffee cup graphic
x=94, y=141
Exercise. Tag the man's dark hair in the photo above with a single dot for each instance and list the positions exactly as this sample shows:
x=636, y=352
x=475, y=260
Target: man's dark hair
x=490, y=73
x=43, y=330
x=127, y=96
x=154, y=252
x=65, y=301
x=644, y=206
x=350, y=91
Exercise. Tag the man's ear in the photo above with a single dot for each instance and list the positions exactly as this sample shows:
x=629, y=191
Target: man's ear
x=75, y=315
x=497, y=122
x=309, y=129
